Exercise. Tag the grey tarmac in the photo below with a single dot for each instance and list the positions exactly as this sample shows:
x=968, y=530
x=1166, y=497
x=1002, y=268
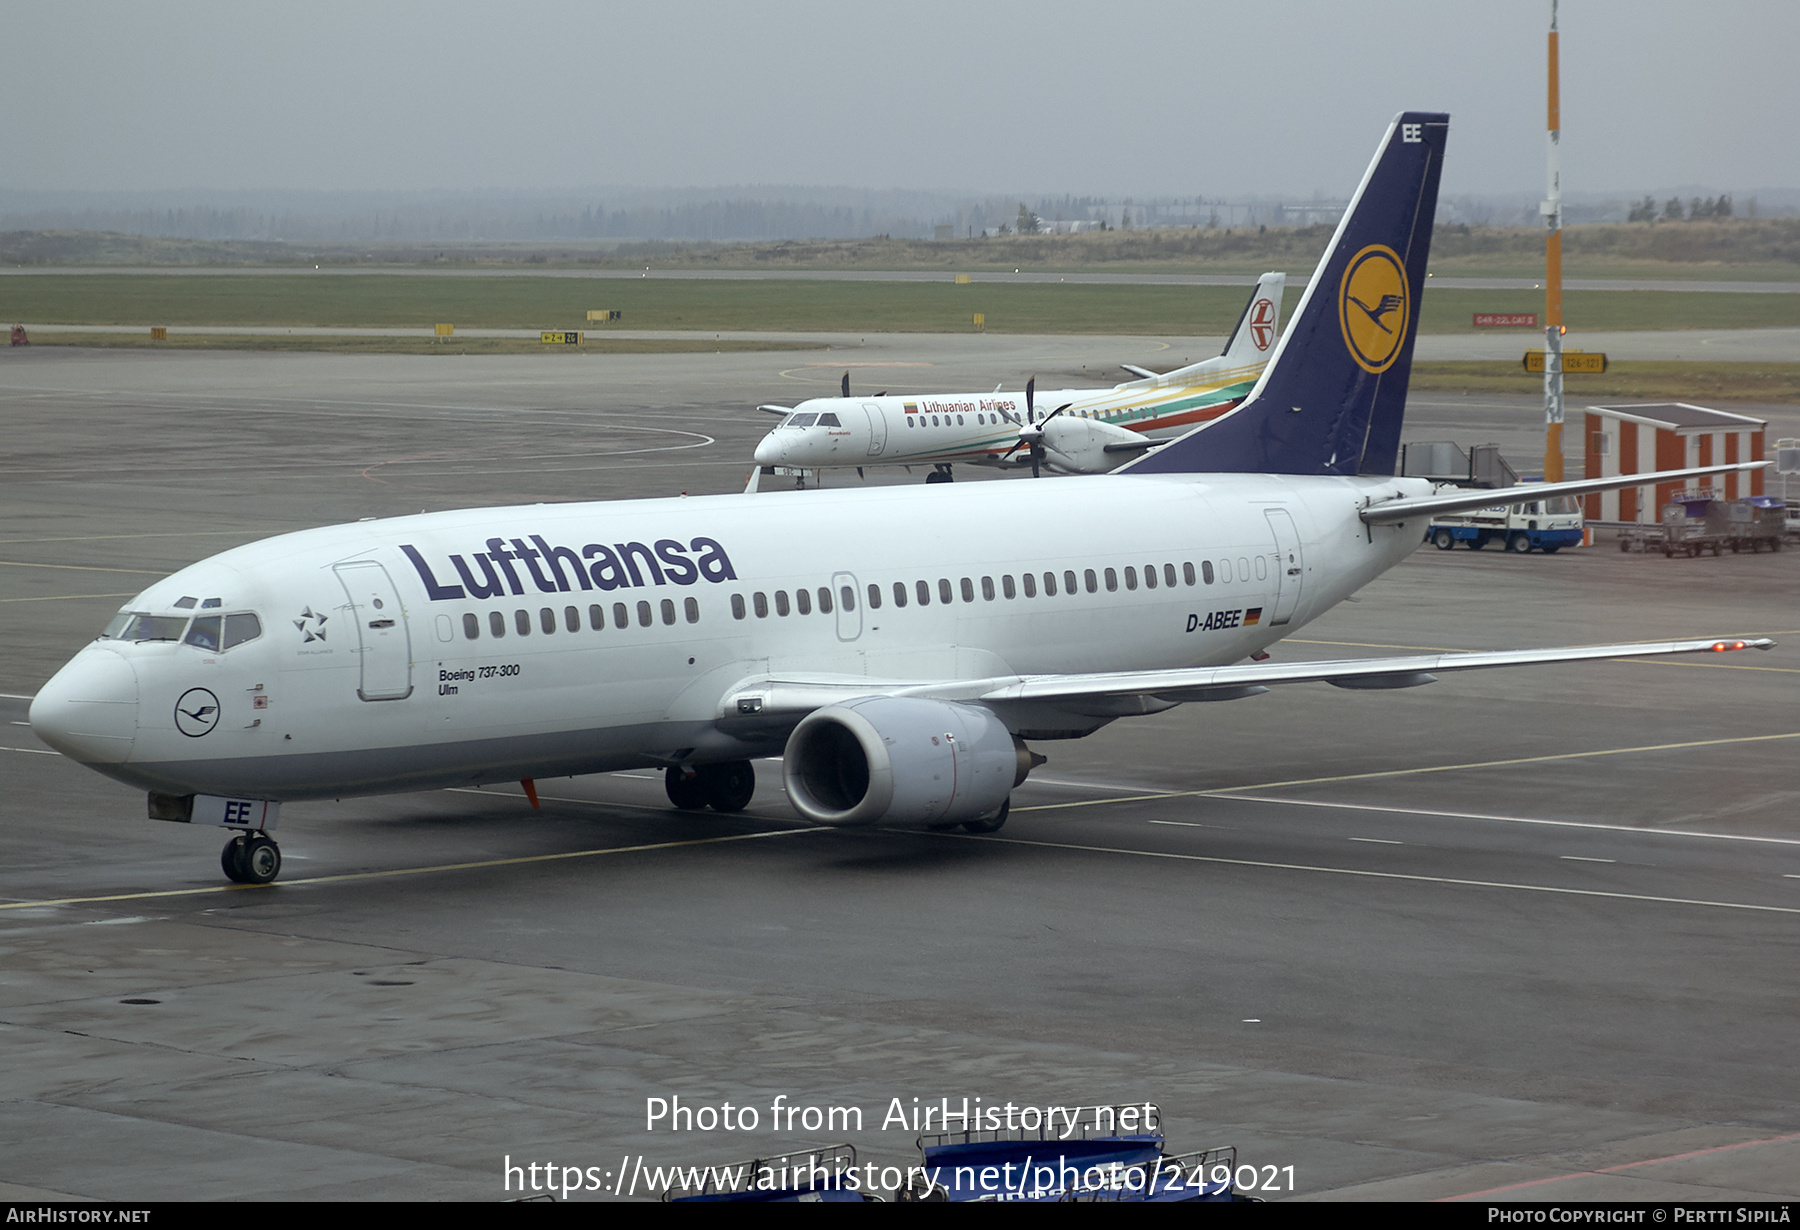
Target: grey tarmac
x=1525, y=934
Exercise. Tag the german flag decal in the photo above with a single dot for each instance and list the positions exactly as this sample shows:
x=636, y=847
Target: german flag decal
x=1251, y=616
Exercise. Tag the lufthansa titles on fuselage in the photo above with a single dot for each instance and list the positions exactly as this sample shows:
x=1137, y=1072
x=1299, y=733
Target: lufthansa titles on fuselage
x=561, y=569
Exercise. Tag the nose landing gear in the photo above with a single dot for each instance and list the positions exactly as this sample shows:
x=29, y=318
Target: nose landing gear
x=251, y=858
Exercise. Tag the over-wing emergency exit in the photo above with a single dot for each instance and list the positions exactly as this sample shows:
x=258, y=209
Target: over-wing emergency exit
x=898, y=648
x=1070, y=431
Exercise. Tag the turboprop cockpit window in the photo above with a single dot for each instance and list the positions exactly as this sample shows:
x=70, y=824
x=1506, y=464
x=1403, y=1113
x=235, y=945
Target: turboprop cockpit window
x=829, y=420
x=142, y=626
x=803, y=420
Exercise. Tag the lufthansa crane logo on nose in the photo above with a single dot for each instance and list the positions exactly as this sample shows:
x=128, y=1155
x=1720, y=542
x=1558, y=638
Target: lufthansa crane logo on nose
x=1374, y=306
x=196, y=713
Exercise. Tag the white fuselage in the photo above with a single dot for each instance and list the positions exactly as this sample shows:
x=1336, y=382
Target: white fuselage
x=944, y=428
x=613, y=636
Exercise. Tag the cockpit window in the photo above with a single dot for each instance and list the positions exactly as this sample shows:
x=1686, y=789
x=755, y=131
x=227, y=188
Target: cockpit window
x=141, y=626
x=829, y=420
x=203, y=633
x=240, y=628
x=803, y=420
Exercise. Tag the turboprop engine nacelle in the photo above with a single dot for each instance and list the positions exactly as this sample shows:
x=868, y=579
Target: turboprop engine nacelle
x=1078, y=446
x=903, y=761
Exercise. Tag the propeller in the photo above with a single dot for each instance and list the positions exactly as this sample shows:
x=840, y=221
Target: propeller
x=1030, y=391
x=1031, y=432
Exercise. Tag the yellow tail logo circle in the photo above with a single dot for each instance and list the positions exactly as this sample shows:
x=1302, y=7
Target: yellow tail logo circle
x=1374, y=306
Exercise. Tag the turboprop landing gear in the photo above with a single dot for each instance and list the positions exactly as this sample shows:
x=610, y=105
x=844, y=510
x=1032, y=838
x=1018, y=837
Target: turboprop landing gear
x=940, y=474
x=251, y=858
x=724, y=787
x=992, y=823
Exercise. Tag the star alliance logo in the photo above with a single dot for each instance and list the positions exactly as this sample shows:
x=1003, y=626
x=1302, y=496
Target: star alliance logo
x=311, y=625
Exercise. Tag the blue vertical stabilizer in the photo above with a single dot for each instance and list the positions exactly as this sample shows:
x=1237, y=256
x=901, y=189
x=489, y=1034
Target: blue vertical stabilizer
x=1332, y=399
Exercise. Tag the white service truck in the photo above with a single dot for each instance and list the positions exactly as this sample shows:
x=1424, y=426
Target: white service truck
x=1542, y=525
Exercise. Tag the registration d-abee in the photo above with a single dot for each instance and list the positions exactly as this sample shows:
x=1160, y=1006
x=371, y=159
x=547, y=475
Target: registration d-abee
x=898, y=648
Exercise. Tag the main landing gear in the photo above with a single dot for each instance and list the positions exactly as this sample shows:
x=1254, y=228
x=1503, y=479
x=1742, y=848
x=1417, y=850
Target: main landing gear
x=724, y=787
x=940, y=473
x=987, y=824
x=251, y=858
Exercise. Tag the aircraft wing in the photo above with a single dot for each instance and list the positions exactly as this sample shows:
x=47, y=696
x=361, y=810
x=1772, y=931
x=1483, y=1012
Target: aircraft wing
x=1209, y=682
x=1487, y=497
x=772, y=697
x=772, y=409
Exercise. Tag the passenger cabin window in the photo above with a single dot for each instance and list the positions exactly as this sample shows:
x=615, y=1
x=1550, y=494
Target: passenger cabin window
x=1206, y=568
x=472, y=626
x=968, y=590
x=547, y=620
x=781, y=602
x=597, y=616
x=668, y=611
x=847, y=596
x=691, y=607
x=737, y=606
x=496, y=624
x=572, y=618
x=945, y=593
x=924, y=592
x=522, y=621
x=802, y=601
x=825, y=599
x=643, y=614
x=874, y=598
x=761, y=601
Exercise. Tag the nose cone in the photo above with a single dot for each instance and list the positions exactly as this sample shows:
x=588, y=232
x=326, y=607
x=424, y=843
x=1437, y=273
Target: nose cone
x=88, y=710
x=770, y=452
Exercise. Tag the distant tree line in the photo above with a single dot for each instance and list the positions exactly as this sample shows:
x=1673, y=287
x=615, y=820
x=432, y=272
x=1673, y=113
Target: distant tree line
x=1673, y=210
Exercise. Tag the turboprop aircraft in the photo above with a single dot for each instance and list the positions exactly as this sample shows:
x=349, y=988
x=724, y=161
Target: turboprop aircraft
x=897, y=648
x=1091, y=431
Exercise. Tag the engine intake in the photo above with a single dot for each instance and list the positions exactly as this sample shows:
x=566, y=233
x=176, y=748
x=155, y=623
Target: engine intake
x=902, y=761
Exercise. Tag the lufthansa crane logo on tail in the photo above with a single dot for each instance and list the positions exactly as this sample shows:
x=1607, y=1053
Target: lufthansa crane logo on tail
x=1262, y=323
x=1374, y=306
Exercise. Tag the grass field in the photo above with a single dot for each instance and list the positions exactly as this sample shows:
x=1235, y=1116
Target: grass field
x=1727, y=249
x=410, y=345
x=784, y=306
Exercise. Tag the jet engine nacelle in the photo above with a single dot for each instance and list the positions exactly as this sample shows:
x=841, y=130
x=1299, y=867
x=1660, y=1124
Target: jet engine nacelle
x=903, y=761
x=1078, y=446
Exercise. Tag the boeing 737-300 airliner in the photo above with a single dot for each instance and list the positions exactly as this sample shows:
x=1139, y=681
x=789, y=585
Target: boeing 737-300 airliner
x=896, y=647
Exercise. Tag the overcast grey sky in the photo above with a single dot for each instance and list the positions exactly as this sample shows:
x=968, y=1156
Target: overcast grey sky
x=1151, y=97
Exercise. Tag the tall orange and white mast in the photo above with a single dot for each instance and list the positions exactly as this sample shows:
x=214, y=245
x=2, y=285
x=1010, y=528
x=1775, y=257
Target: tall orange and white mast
x=1553, y=321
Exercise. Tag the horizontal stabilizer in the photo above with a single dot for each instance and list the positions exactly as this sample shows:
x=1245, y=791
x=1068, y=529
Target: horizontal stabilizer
x=1143, y=373
x=1490, y=497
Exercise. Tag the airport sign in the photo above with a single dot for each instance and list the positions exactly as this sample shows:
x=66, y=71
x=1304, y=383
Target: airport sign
x=1574, y=362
